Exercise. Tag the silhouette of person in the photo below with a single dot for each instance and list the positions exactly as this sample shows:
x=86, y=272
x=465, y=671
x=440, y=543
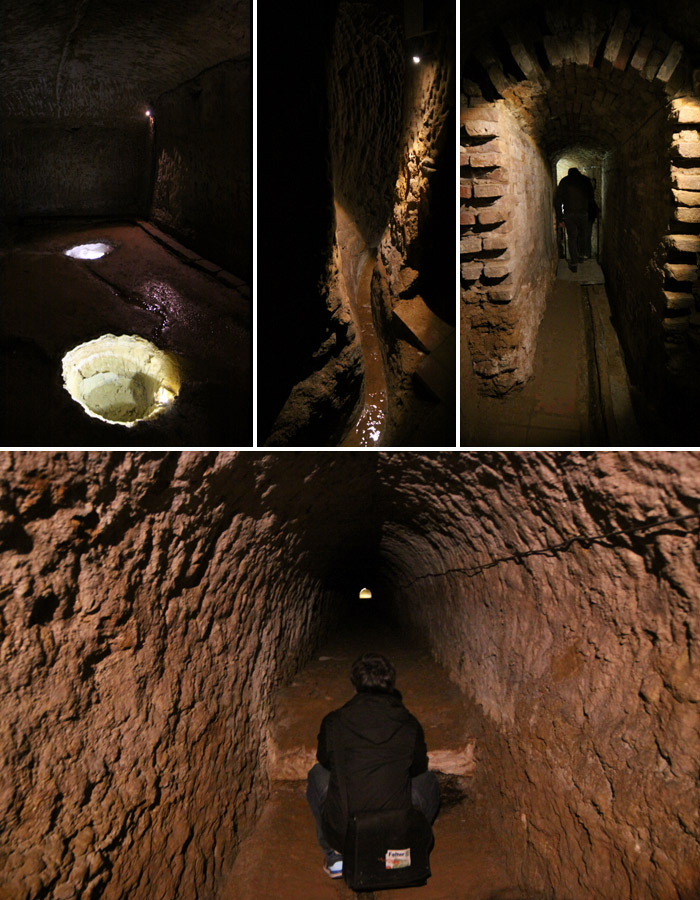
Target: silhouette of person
x=576, y=209
x=380, y=748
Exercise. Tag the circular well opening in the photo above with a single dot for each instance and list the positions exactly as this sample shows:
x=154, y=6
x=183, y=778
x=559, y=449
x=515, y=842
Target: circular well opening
x=121, y=379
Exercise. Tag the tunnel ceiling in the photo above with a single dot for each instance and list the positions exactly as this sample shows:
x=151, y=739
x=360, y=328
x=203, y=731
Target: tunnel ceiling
x=589, y=75
x=83, y=59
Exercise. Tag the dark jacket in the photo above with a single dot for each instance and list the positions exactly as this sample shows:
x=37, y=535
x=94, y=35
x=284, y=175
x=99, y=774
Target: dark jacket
x=376, y=746
x=575, y=194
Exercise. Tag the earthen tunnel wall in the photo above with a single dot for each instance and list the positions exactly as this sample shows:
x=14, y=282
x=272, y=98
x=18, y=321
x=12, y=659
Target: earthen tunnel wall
x=582, y=658
x=150, y=603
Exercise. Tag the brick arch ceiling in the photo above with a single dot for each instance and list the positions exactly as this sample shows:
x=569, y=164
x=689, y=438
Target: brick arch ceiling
x=581, y=79
x=90, y=59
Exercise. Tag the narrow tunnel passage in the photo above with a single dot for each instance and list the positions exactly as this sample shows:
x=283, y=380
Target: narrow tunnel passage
x=612, y=86
x=156, y=605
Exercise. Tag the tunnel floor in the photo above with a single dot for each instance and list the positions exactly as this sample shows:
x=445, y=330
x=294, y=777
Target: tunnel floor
x=579, y=394
x=148, y=286
x=281, y=858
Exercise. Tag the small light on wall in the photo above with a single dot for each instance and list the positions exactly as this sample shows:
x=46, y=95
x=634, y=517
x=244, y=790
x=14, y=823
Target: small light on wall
x=365, y=594
x=148, y=112
x=416, y=59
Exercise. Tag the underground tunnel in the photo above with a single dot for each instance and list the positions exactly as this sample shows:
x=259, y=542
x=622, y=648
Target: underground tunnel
x=156, y=607
x=126, y=178
x=611, y=89
x=357, y=283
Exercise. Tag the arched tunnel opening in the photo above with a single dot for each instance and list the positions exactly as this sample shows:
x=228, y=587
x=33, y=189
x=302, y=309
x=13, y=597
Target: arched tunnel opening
x=128, y=126
x=612, y=90
x=360, y=302
x=165, y=616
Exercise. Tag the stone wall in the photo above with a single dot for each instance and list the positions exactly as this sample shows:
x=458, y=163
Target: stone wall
x=150, y=603
x=74, y=168
x=203, y=180
x=507, y=244
x=582, y=656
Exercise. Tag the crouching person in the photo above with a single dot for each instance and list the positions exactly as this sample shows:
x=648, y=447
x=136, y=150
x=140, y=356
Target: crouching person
x=371, y=756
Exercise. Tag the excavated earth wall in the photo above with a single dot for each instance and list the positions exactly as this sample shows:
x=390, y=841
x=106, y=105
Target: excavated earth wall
x=150, y=603
x=583, y=658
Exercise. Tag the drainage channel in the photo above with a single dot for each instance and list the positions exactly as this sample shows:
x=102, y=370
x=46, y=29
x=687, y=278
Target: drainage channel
x=358, y=263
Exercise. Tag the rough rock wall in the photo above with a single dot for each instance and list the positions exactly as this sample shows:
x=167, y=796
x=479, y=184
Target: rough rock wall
x=76, y=168
x=150, y=602
x=366, y=82
x=583, y=658
x=202, y=191
x=413, y=259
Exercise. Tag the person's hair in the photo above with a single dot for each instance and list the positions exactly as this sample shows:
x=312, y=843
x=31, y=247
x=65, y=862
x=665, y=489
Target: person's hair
x=373, y=673
x=574, y=172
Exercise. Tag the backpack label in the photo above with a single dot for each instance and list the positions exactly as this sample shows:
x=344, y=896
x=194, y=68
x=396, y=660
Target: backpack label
x=398, y=859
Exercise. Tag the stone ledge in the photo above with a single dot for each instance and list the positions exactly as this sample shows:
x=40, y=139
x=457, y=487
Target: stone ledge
x=294, y=765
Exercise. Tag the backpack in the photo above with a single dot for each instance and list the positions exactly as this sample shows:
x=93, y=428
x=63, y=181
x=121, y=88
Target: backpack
x=388, y=848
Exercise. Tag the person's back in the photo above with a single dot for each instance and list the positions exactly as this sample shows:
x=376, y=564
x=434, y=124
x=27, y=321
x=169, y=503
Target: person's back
x=374, y=746
x=371, y=756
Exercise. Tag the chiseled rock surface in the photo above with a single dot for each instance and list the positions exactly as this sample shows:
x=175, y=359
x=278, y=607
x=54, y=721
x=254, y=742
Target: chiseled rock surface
x=583, y=660
x=149, y=604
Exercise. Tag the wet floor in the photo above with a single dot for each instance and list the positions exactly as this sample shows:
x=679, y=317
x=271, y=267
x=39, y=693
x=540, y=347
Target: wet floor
x=578, y=395
x=358, y=261
x=282, y=859
x=52, y=302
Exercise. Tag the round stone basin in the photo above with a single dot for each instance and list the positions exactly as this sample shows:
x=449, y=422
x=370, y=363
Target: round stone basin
x=94, y=250
x=122, y=379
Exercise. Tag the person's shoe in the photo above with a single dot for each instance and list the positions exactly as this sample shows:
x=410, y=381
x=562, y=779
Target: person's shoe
x=335, y=870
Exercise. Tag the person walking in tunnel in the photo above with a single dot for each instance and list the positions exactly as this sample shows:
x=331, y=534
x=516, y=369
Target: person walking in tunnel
x=371, y=756
x=576, y=209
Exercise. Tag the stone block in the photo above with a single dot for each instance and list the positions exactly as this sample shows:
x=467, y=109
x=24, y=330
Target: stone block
x=500, y=295
x=679, y=300
x=582, y=48
x=617, y=35
x=675, y=324
x=465, y=188
x=656, y=57
x=686, y=110
x=476, y=128
x=500, y=174
x=687, y=243
x=687, y=198
x=526, y=60
x=471, y=271
x=553, y=49
x=641, y=54
x=463, y=156
x=484, y=160
x=687, y=214
x=491, y=216
x=467, y=217
x=497, y=269
x=480, y=114
x=470, y=244
x=687, y=149
x=668, y=66
x=426, y=330
x=493, y=240
x=488, y=189
x=681, y=271
x=685, y=182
